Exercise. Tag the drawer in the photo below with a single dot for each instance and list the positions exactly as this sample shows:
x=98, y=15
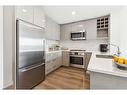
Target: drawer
x=49, y=67
x=49, y=57
x=29, y=77
x=54, y=55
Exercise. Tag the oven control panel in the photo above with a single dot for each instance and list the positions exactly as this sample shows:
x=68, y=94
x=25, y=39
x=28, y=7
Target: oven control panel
x=77, y=53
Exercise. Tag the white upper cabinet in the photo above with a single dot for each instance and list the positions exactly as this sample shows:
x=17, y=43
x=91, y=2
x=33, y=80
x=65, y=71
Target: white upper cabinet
x=76, y=27
x=52, y=29
x=31, y=14
x=39, y=16
x=48, y=28
x=91, y=30
x=25, y=13
x=89, y=26
x=57, y=31
x=65, y=31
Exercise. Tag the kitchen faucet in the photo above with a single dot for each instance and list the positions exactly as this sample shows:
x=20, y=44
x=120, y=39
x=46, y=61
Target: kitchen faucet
x=118, y=49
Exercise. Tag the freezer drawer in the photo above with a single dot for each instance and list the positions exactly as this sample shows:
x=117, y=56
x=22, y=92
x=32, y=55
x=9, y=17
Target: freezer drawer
x=29, y=77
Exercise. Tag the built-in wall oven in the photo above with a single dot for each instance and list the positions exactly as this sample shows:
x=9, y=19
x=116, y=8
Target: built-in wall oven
x=77, y=58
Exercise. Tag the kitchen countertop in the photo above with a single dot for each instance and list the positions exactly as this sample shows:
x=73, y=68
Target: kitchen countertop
x=53, y=51
x=63, y=50
x=106, y=66
x=56, y=51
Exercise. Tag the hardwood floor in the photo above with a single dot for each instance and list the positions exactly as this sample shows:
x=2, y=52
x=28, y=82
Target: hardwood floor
x=10, y=88
x=66, y=78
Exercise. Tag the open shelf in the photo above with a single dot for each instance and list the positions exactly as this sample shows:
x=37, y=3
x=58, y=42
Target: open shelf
x=102, y=27
x=102, y=23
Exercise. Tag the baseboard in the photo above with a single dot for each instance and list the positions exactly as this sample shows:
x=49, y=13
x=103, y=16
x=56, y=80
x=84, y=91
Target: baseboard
x=8, y=85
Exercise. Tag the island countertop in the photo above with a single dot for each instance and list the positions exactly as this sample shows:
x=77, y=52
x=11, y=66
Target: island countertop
x=106, y=66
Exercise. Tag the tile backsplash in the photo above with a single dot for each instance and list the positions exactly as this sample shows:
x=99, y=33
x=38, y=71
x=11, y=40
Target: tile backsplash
x=49, y=43
x=89, y=45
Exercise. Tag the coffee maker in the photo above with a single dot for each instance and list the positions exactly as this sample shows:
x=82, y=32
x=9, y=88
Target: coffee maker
x=103, y=47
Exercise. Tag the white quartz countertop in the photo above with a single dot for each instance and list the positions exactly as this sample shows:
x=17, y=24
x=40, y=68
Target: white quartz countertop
x=56, y=51
x=53, y=51
x=106, y=66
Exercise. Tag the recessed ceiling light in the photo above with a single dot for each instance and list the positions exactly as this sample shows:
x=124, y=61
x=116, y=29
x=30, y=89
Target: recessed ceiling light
x=73, y=12
x=43, y=20
x=24, y=10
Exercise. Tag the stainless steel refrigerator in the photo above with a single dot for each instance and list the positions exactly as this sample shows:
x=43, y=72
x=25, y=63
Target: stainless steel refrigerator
x=30, y=55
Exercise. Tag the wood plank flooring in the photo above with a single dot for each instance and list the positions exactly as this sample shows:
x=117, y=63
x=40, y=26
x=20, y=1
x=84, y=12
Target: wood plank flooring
x=66, y=78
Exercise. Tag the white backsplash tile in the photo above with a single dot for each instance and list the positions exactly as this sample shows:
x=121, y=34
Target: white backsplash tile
x=89, y=45
x=49, y=43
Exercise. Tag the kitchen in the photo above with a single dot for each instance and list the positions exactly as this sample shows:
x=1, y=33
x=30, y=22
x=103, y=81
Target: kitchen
x=70, y=46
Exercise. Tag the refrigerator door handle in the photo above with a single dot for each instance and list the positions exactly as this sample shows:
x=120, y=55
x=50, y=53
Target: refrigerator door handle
x=27, y=69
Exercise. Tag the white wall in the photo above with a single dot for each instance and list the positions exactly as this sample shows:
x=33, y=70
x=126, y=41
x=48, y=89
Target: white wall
x=1, y=47
x=115, y=29
x=123, y=32
x=119, y=30
x=8, y=45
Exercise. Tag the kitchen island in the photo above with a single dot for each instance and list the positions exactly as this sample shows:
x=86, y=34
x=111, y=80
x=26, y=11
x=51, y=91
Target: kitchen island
x=104, y=74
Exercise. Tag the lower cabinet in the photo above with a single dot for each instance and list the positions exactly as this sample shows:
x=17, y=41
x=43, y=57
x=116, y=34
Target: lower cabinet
x=59, y=59
x=48, y=67
x=87, y=59
x=54, y=63
x=65, y=58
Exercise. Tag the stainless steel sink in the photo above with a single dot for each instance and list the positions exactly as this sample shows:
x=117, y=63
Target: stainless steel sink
x=104, y=56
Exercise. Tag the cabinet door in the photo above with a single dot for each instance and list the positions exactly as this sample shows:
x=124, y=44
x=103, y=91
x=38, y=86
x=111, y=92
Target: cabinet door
x=55, y=62
x=87, y=59
x=48, y=67
x=62, y=32
x=91, y=30
x=65, y=32
x=65, y=58
x=48, y=28
x=57, y=32
x=25, y=13
x=60, y=60
x=52, y=29
x=39, y=16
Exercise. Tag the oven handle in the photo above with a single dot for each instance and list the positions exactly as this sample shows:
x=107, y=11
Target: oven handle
x=77, y=56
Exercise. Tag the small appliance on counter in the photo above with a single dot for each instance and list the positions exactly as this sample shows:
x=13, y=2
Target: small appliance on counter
x=103, y=47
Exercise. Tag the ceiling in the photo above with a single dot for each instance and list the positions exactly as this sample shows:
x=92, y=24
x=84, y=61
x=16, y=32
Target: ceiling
x=63, y=14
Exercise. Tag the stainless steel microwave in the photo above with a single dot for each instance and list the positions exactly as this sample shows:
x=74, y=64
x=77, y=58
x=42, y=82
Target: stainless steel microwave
x=78, y=36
